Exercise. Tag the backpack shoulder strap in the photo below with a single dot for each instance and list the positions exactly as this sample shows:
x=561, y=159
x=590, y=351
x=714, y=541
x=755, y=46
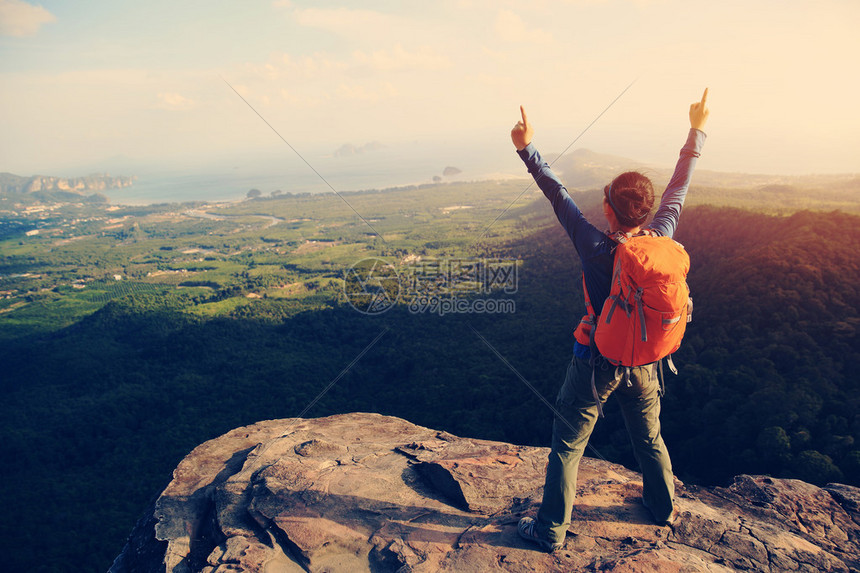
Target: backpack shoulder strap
x=619, y=237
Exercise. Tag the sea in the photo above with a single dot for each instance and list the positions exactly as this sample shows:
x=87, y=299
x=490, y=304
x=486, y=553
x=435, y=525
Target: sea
x=231, y=179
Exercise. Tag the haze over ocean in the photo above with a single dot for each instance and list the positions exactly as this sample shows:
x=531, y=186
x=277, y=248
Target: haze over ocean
x=281, y=170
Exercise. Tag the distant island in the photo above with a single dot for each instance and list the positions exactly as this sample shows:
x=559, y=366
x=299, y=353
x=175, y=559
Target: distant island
x=348, y=149
x=17, y=184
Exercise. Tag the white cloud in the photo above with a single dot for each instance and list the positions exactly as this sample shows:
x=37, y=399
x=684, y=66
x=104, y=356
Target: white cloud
x=368, y=94
x=318, y=63
x=299, y=67
x=394, y=59
x=349, y=22
x=296, y=99
x=174, y=102
x=398, y=58
x=511, y=28
x=420, y=70
x=18, y=18
x=363, y=76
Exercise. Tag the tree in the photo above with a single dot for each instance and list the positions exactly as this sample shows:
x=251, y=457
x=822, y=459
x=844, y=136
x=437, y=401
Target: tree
x=773, y=445
x=816, y=468
x=851, y=466
x=254, y=193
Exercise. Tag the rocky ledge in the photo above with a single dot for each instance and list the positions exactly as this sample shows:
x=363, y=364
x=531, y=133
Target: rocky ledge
x=364, y=492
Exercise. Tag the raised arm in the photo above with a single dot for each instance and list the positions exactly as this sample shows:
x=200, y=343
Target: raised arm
x=583, y=234
x=522, y=132
x=666, y=220
x=699, y=113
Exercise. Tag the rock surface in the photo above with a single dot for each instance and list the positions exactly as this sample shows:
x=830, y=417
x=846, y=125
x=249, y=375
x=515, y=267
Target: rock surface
x=365, y=492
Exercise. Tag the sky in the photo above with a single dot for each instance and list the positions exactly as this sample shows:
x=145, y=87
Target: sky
x=91, y=84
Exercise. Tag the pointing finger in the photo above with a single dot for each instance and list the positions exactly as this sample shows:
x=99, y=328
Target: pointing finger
x=705, y=97
x=523, y=112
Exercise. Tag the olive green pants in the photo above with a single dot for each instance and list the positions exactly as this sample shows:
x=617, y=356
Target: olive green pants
x=640, y=405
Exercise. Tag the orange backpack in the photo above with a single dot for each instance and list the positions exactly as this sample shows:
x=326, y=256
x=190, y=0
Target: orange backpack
x=644, y=318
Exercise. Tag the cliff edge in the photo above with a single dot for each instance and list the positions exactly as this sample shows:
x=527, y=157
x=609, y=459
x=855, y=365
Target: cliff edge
x=365, y=492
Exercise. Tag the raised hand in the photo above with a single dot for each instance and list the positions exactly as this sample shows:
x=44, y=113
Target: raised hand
x=699, y=112
x=522, y=132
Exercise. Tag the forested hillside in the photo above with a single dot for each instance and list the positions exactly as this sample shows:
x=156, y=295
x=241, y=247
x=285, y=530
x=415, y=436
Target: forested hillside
x=95, y=416
x=770, y=382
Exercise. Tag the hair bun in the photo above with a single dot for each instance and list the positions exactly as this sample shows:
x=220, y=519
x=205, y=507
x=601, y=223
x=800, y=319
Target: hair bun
x=631, y=197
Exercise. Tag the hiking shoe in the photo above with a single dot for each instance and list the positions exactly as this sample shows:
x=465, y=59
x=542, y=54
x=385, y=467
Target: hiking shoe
x=670, y=521
x=526, y=529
